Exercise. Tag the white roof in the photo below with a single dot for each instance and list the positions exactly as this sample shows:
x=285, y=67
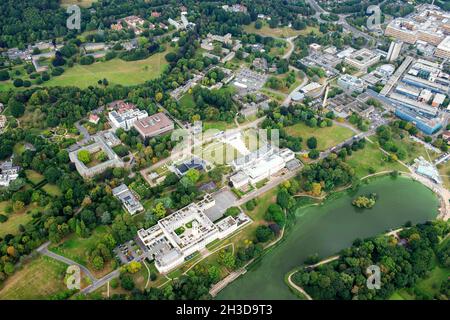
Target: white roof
x=311, y=86
x=439, y=98
x=445, y=44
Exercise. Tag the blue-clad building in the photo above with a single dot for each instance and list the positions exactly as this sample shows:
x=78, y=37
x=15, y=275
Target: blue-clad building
x=428, y=126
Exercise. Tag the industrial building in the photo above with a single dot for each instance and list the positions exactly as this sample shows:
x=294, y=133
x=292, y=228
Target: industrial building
x=179, y=235
x=426, y=125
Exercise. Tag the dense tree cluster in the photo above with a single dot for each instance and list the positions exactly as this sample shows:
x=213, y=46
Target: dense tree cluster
x=402, y=263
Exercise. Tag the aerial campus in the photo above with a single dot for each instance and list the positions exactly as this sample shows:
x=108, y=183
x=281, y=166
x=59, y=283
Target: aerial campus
x=197, y=150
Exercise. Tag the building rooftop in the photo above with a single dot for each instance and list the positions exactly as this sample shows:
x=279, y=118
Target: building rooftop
x=153, y=124
x=130, y=202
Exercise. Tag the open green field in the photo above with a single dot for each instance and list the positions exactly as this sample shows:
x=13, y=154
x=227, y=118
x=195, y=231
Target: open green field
x=284, y=32
x=371, y=157
x=38, y=279
x=52, y=190
x=444, y=171
x=81, y=3
x=34, y=176
x=77, y=249
x=11, y=226
x=326, y=137
x=15, y=219
x=217, y=152
x=6, y=85
x=218, y=125
x=428, y=286
x=116, y=71
x=415, y=150
x=187, y=101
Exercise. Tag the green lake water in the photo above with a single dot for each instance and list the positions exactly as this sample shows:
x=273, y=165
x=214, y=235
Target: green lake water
x=328, y=228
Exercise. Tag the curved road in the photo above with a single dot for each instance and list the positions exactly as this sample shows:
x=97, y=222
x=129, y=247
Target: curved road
x=44, y=251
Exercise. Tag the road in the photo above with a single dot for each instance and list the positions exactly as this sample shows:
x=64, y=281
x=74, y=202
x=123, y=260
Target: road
x=101, y=282
x=84, y=132
x=301, y=85
x=296, y=287
x=319, y=10
x=43, y=249
x=287, y=55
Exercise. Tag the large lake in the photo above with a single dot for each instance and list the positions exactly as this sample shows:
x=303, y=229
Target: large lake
x=328, y=228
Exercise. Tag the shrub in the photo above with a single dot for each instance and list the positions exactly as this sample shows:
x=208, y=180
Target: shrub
x=86, y=60
x=18, y=83
x=3, y=218
x=263, y=233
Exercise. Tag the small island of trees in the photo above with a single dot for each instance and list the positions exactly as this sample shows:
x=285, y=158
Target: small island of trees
x=365, y=201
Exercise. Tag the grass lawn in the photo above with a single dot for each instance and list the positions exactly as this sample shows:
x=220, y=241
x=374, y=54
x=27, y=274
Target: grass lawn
x=218, y=125
x=217, y=152
x=6, y=85
x=326, y=137
x=34, y=176
x=81, y=3
x=415, y=149
x=77, y=248
x=19, y=148
x=52, y=190
x=11, y=226
x=401, y=294
x=284, y=32
x=116, y=71
x=257, y=215
x=3, y=206
x=38, y=279
x=187, y=101
x=277, y=97
x=371, y=157
x=427, y=286
x=444, y=171
x=432, y=284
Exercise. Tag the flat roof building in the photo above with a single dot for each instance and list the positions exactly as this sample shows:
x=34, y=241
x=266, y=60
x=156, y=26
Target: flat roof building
x=128, y=199
x=186, y=231
x=362, y=59
x=113, y=160
x=153, y=125
x=125, y=119
x=443, y=49
x=350, y=83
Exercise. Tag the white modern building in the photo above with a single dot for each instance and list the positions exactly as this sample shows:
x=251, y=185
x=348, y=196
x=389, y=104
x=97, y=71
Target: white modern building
x=394, y=50
x=184, y=232
x=128, y=199
x=125, y=119
x=8, y=173
x=259, y=165
x=362, y=59
x=350, y=83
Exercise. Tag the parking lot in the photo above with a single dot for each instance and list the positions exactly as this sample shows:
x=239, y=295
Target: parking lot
x=224, y=199
x=128, y=251
x=248, y=80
